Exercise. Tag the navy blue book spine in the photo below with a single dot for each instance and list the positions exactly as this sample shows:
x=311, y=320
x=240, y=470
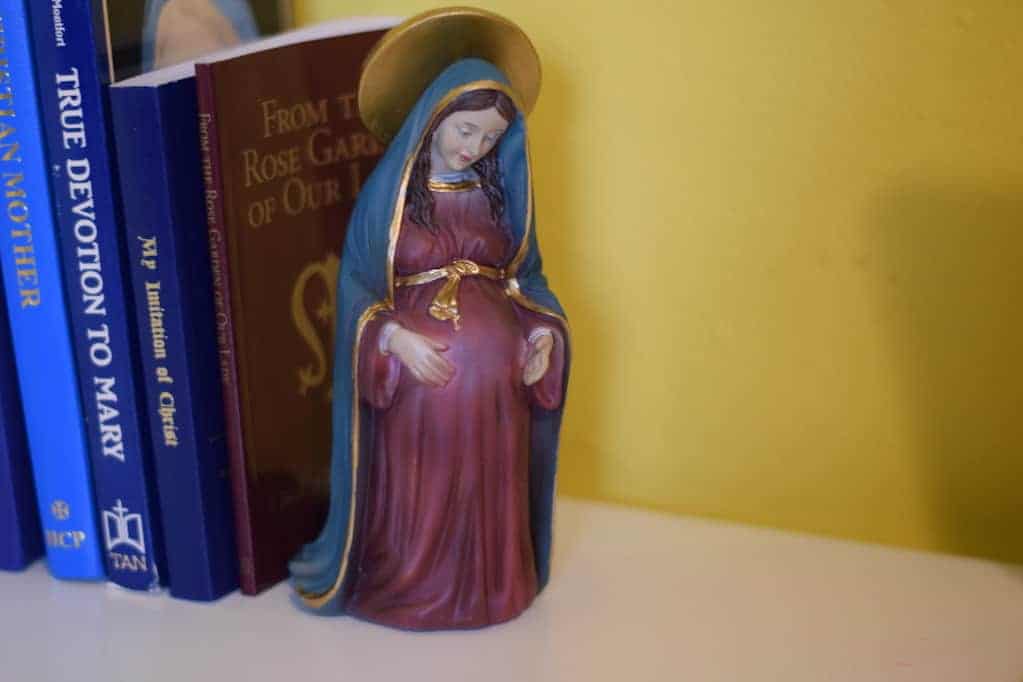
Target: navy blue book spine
x=39, y=326
x=162, y=190
x=72, y=97
x=21, y=538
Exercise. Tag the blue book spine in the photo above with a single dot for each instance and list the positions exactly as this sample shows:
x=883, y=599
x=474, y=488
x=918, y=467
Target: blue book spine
x=21, y=540
x=39, y=324
x=72, y=97
x=156, y=129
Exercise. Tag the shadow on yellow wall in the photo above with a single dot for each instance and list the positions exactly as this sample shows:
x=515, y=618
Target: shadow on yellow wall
x=946, y=265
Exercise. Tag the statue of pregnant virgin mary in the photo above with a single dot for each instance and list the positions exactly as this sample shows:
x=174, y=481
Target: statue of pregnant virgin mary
x=452, y=353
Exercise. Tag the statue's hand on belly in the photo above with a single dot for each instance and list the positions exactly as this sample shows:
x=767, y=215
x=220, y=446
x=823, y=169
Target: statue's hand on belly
x=420, y=354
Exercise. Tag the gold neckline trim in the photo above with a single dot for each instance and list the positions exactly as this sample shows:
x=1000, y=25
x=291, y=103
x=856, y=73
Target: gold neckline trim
x=462, y=186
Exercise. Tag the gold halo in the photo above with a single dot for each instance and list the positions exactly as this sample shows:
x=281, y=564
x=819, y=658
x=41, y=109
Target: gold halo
x=413, y=53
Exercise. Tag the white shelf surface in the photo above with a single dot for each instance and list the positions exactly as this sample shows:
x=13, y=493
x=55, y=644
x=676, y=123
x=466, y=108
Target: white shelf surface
x=634, y=596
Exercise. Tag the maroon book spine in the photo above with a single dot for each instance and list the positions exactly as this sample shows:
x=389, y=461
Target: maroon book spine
x=220, y=268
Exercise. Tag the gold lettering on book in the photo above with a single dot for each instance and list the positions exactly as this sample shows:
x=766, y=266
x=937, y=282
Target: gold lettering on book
x=300, y=196
x=11, y=148
x=278, y=119
x=167, y=412
x=262, y=212
x=158, y=351
x=157, y=332
x=308, y=141
x=262, y=168
x=324, y=149
x=25, y=272
x=348, y=102
x=149, y=253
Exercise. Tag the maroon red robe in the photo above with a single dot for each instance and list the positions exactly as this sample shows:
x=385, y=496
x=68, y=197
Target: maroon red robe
x=445, y=540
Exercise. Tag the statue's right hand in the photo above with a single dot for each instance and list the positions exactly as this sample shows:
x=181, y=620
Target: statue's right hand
x=421, y=355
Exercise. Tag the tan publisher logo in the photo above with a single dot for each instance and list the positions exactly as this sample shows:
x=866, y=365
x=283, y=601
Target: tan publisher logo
x=60, y=510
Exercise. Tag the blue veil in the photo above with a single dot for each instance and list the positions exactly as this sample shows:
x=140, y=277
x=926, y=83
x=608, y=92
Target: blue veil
x=237, y=12
x=320, y=571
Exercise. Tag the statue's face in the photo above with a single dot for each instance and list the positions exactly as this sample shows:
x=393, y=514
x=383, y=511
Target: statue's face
x=464, y=137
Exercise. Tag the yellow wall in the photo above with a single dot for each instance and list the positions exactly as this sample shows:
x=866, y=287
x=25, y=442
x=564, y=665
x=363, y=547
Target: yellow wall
x=789, y=237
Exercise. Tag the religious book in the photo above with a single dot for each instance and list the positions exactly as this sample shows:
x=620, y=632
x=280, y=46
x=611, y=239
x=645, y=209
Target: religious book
x=284, y=154
x=150, y=54
x=40, y=328
x=156, y=131
x=75, y=120
x=20, y=536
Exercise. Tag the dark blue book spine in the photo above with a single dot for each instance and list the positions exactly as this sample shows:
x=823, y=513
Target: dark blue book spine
x=76, y=125
x=162, y=191
x=21, y=540
x=40, y=333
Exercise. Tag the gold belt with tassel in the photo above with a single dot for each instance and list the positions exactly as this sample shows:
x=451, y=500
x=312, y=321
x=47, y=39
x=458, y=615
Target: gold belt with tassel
x=445, y=303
